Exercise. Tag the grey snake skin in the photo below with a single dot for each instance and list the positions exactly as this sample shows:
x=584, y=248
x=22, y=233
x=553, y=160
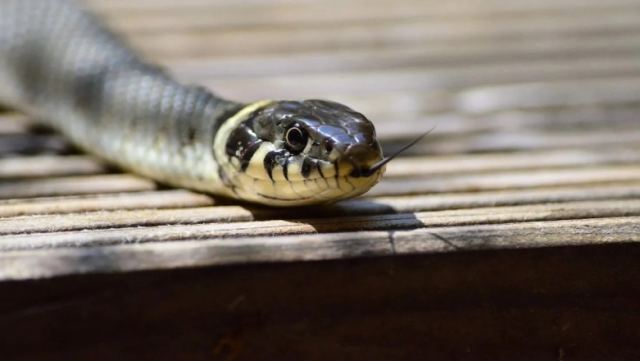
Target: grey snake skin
x=61, y=65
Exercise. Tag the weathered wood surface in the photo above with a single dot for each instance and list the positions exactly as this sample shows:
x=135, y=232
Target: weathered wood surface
x=535, y=106
x=511, y=232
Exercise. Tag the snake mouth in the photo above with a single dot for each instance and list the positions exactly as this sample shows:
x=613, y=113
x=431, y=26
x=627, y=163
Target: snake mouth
x=336, y=182
x=304, y=192
x=369, y=171
x=368, y=167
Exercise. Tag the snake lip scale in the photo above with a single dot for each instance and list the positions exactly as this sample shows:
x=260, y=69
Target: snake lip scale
x=61, y=64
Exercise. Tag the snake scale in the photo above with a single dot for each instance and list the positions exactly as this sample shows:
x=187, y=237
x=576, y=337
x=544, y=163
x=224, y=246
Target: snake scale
x=60, y=64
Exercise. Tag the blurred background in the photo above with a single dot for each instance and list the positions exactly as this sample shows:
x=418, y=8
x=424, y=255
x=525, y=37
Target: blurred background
x=490, y=75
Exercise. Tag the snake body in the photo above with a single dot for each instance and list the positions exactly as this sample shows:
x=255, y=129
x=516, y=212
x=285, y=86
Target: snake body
x=61, y=65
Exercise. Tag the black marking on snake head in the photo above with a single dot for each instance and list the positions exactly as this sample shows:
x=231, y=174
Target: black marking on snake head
x=223, y=111
x=319, y=167
x=245, y=154
x=243, y=143
x=307, y=164
x=285, y=169
x=276, y=157
x=269, y=163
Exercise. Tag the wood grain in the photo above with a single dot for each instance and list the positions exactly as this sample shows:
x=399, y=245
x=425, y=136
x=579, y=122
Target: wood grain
x=48, y=165
x=274, y=38
x=528, y=129
x=26, y=264
x=510, y=233
x=74, y=185
x=103, y=201
x=230, y=222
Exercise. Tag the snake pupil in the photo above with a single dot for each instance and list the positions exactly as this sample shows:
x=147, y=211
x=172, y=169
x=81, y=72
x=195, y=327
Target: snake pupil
x=296, y=139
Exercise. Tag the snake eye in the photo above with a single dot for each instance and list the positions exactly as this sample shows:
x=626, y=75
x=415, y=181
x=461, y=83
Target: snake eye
x=296, y=139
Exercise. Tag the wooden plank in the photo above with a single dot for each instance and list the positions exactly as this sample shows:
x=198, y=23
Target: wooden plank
x=414, y=110
x=520, y=212
x=228, y=214
x=146, y=5
x=372, y=205
x=533, y=234
x=312, y=247
x=576, y=302
x=173, y=225
x=166, y=255
x=508, y=140
x=506, y=180
x=49, y=166
x=123, y=218
x=223, y=65
x=400, y=34
x=103, y=202
x=352, y=15
x=555, y=194
x=489, y=162
x=109, y=183
x=436, y=79
x=596, y=116
x=319, y=14
x=117, y=7
x=584, y=92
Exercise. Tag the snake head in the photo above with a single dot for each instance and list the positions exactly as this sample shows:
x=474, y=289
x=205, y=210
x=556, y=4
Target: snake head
x=302, y=152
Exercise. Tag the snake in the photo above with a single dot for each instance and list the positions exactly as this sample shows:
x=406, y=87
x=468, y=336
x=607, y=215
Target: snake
x=61, y=65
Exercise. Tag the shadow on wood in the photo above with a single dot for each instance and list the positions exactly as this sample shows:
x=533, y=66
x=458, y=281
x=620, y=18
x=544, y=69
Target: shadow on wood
x=552, y=304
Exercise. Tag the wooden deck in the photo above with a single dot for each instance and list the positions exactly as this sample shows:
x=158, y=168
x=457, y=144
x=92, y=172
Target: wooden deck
x=511, y=232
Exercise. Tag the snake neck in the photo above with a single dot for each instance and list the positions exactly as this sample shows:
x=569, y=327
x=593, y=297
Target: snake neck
x=232, y=158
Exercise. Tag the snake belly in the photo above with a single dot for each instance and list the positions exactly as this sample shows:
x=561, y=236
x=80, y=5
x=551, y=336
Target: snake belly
x=61, y=65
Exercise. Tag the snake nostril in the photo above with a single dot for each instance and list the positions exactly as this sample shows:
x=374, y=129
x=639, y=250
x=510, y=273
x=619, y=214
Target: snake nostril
x=328, y=145
x=362, y=156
